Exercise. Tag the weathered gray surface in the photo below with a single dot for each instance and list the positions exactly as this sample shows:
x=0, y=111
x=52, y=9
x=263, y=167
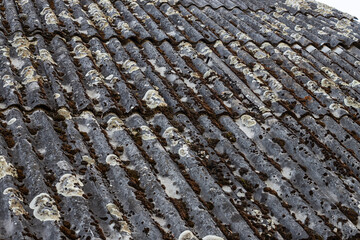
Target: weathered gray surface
x=143, y=119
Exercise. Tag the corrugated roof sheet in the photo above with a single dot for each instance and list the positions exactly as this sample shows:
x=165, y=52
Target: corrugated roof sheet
x=178, y=119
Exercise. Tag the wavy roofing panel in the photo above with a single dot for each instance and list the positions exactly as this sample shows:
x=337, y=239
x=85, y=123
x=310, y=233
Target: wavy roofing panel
x=179, y=119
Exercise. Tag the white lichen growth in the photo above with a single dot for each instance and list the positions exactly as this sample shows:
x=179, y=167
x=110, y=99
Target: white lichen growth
x=11, y=121
x=88, y=159
x=44, y=208
x=248, y=120
x=328, y=83
x=260, y=54
x=114, y=123
x=112, y=160
x=50, y=17
x=153, y=99
x=102, y=56
x=81, y=51
x=114, y=210
x=29, y=75
x=146, y=133
x=6, y=169
x=98, y=16
x=130, y=66
x=15, y=199
x=45, y=56
x=95, y=78
x=5, y=51
x=65, y=113
x=212, y=237
x=187, y=235
x=184, y=151
x=70, y=186
x=351, y=102
x=21, y=44
x=270, y=95
x=22, y=2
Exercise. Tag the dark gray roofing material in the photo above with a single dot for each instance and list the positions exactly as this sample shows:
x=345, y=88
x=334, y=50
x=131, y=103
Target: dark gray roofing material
x=143, y=119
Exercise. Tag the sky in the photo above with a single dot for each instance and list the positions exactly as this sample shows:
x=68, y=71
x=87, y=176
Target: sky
x=349, y=6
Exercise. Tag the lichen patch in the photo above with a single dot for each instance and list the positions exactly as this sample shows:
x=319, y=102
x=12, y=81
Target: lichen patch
x=50, y=17
x=212, y=237
x=81, y=51
x=44, y=208
x=114, y=210
x=187, y=235
x=351, y=102
x=21, y=44
x=29, y=75
x=16, y=207
x=45, y=56
x=88, y=159
x=113, y=160
x=15, y=199
x=130, y=66
x=114, y=123
x=65, y=113
x=153, y=99
x=6, y=169
x=247, y=120
x=70, y=186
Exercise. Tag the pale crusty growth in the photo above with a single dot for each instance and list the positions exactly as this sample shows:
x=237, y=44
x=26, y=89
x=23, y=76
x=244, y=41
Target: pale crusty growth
x=11, y=121
x=153, y=99
x=70, y=186
x=130, y=66
x=247, y=120
x=50, y=17
x=351, y=102
x=65, y=113
x=184, y=151
x=45, y=56
x=21, y=44
x=81, y=51
x=44, y=208
x=212, y=237
x=88, y=159
x=114, y=123
x=147, y=133
x=15, y=199
x=114, y=210
x=29, y=75
x=112, y=160
x=6, y=168
x=98, y=16
x=187, y=235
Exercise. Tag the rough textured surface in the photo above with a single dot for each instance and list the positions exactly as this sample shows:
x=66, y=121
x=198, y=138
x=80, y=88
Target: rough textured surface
x=195, y=118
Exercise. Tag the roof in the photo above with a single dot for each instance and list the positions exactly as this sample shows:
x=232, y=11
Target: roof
x=179, y=119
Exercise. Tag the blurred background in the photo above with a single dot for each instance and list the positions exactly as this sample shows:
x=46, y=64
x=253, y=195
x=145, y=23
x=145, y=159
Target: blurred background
x=349, y=6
